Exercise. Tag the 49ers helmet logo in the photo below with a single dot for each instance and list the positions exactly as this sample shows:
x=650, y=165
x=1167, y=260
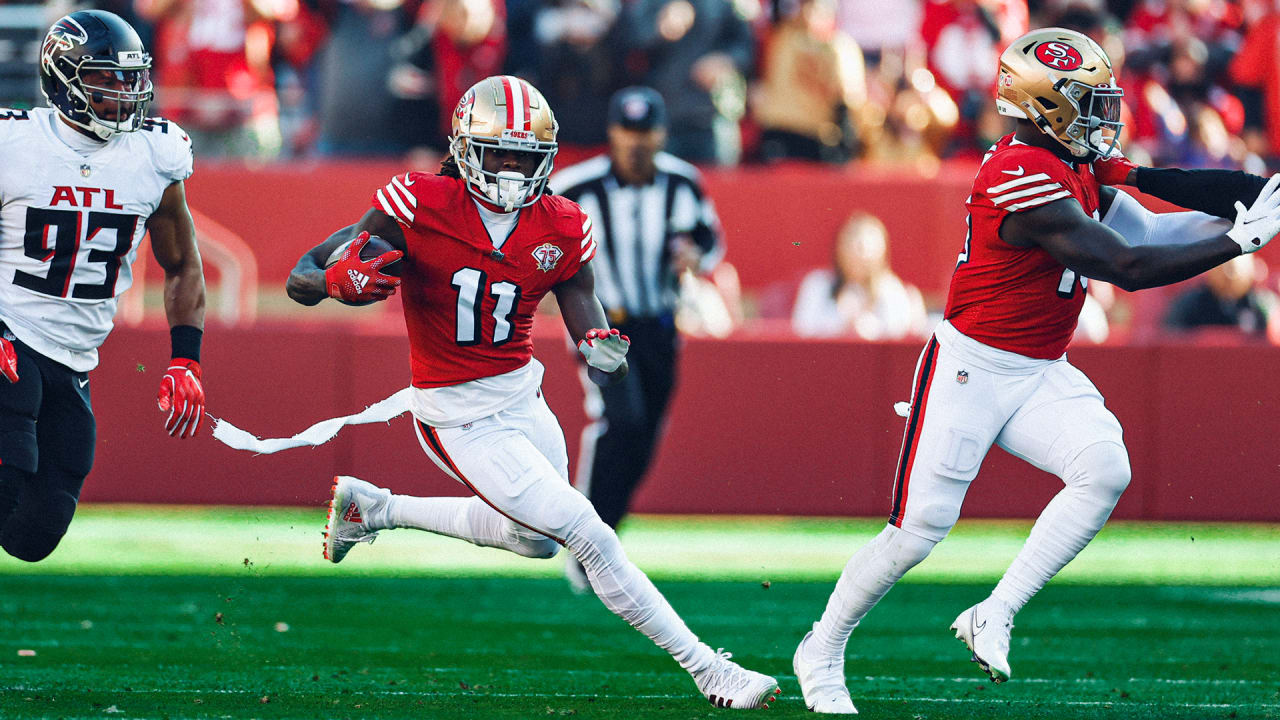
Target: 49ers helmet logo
x=463, y=111
x=1059, y=55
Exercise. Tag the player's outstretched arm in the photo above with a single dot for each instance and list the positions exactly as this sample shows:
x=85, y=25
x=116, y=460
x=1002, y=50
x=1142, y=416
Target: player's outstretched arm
x=173, y=242
x=1210, y=191
x=605, y=350
x=306, y=284
x=1095, y=251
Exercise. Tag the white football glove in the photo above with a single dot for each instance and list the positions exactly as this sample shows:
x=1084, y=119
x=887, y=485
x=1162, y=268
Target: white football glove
x=604, y=349
x=1257, y=224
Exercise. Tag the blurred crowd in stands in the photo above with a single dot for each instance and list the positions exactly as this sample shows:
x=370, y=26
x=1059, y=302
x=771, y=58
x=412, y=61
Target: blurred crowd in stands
x=907, y=81
x=902, y=83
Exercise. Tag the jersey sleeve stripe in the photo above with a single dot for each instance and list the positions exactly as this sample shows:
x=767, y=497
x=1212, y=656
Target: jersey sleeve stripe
x=586, y=240
x=403, y=215
x=404, y=192
x=405, y=212
x=997, y=189
x=589, y=252
x=1038, y=201
x=1005, y=198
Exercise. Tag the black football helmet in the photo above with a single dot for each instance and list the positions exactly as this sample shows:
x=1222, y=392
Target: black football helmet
x=96, y=40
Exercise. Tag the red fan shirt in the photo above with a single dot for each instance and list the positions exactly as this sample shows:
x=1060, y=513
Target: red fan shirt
x=468, y=306
x=1014, y=298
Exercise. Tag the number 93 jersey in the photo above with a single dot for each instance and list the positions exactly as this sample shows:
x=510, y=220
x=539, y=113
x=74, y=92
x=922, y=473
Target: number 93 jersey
x=469, y=307
x=70, y=225
x=1018, y=299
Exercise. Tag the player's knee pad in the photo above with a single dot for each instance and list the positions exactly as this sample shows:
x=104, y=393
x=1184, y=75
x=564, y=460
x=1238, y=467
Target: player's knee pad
x=904, y=548
x=1101, y=470
x=38, y=524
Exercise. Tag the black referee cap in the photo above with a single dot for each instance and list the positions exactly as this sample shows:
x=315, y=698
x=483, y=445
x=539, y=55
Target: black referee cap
x=637, y=108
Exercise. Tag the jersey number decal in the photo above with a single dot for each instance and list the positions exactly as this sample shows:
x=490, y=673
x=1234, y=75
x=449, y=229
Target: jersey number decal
x=1067, y=285
x=53, y=236
x=470, y=284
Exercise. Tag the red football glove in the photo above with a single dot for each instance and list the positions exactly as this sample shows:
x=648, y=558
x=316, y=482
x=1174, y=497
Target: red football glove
x=8, y=360
x=182, y=396
x=1113, y=170
x=604, y=349
x=356, y=280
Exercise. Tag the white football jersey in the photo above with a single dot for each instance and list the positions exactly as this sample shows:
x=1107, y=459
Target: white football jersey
x=70, y=225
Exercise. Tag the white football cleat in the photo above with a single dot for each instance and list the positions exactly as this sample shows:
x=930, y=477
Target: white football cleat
x=353, y=503
x=822, y=682
x=727, y=684
x=986, y=633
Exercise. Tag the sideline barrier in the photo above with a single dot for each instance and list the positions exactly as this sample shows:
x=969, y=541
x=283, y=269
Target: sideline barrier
x=758, y=425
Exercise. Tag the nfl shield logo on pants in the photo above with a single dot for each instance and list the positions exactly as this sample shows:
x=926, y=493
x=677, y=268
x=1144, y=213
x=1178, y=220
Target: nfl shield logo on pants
x=962, y=377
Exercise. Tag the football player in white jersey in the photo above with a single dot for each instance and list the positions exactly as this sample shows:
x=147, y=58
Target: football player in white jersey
x=83, y=181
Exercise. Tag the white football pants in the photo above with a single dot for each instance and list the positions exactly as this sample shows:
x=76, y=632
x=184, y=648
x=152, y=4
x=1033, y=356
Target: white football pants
x=515, y=462
x=965, y=397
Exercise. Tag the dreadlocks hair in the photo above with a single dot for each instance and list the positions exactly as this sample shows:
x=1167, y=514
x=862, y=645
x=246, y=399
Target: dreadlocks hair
x=449, y=168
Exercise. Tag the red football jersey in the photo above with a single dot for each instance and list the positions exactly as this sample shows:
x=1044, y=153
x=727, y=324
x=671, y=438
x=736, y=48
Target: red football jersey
x=1013, y=298
x=468, y=307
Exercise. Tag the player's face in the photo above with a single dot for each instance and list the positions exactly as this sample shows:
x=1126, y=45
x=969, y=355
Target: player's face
x=633, y=152
x=104, y=88
x=496, y=160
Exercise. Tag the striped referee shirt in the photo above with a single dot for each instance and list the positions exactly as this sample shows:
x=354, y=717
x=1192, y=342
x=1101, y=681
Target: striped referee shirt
x=635, y=226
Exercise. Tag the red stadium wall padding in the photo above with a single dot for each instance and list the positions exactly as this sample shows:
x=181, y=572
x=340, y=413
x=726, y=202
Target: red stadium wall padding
x=779, y=221
x=759, y=425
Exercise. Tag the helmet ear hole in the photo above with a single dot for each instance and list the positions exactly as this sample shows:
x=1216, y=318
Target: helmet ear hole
x=1046, y=103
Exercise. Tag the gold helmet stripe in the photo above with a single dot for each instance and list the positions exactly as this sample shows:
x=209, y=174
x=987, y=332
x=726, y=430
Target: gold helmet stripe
x=518, y=115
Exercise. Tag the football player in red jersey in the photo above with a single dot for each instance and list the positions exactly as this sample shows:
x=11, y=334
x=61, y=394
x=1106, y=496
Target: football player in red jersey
x=482, y=243
x=995, y=372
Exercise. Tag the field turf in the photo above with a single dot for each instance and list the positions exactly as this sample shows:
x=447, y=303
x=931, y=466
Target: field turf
x=230, y=613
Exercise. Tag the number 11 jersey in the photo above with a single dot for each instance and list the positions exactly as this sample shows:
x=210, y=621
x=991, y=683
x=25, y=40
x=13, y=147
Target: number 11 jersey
x=469, y=306
x=70, y=225
x=1014, y=298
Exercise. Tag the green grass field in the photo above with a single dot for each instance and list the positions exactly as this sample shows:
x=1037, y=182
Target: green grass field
x=149, y=612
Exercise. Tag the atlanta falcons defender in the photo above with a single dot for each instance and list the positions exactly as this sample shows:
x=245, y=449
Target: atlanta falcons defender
x=482, y=243
x=1040, y=225
x=83, y=181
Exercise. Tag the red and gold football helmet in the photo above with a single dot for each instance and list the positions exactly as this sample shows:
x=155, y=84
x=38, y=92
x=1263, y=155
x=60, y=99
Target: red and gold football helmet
x=1062, y=81
x=507, y=113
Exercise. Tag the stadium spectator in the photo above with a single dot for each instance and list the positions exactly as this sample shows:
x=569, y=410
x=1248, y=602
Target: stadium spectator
x=1253, y=70
x=214, y=74
x=812, y=89
x=1232, y=295
x=696, y=54
x=358, y=110
x=652, y=222
x=578, y=62
x=859, y=296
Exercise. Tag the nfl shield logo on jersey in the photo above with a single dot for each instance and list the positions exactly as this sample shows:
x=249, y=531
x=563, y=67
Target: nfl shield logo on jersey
x=962, y=377
x=85, y=170
x=547, y=256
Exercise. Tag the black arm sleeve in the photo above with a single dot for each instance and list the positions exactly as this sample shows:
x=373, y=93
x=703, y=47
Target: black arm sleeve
x=1209, y=191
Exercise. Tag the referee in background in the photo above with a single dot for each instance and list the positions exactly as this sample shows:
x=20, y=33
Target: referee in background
x=652, y=222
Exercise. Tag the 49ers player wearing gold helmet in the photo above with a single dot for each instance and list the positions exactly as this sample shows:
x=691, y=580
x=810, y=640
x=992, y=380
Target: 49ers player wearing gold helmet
x=482, y=243
x=995, y=372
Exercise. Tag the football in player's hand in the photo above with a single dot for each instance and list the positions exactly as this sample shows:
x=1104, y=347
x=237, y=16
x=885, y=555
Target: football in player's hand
x=372, y=249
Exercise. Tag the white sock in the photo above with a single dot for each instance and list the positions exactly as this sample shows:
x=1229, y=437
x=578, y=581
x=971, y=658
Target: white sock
x=1067, y=524
x=466, y=518
x=629, y=593
x=866, y=578
x=1094, y=481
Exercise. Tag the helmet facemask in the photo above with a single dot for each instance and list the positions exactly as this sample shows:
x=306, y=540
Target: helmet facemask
x=508, y=189
x=1095, y=131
